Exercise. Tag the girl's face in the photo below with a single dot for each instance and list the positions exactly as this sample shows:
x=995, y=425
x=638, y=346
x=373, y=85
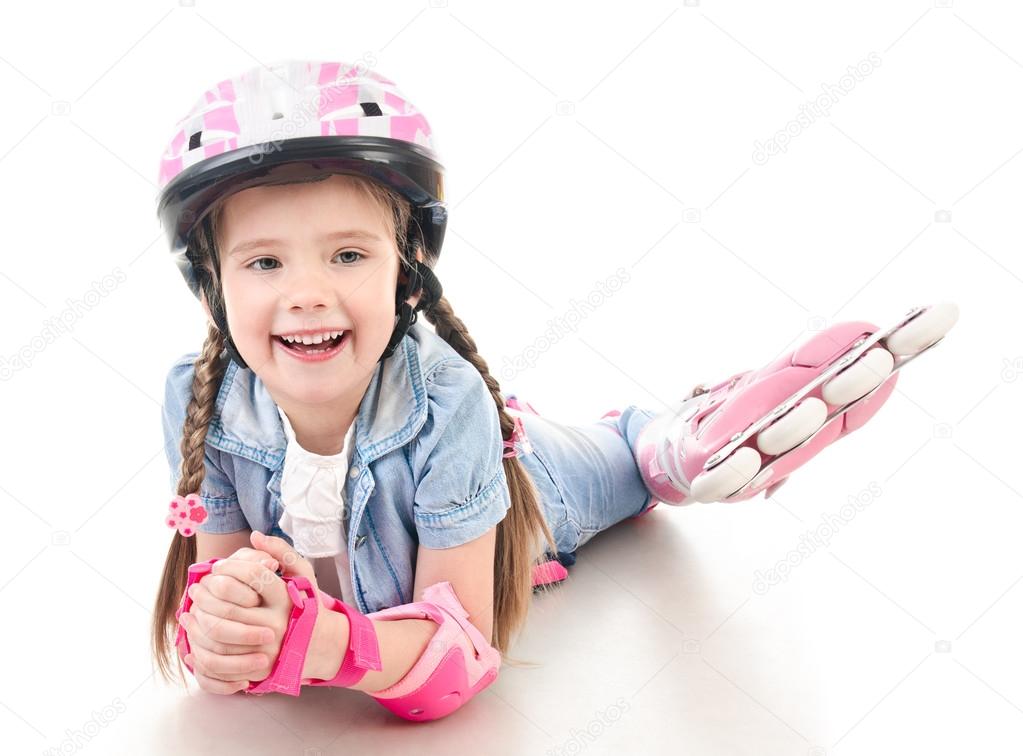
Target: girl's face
x=318, y=255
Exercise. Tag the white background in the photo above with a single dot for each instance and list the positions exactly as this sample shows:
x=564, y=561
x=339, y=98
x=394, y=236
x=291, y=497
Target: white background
x=578, y=138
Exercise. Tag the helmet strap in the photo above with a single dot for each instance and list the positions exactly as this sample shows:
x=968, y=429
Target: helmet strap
x=419, y=276
x=217, y=312
x=220, y=320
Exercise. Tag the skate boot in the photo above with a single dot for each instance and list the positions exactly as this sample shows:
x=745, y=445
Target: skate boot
x=752, y=430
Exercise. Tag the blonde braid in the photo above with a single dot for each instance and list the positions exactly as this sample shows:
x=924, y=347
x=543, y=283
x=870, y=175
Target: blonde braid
x=525, y=524
x=209, y=373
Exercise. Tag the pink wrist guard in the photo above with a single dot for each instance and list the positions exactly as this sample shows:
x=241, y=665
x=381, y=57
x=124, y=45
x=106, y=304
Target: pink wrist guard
x=363, y=652
x=286, y=676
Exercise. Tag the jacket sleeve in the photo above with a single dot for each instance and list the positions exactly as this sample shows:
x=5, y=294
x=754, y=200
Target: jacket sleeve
x=217, y=490
x=461, y=489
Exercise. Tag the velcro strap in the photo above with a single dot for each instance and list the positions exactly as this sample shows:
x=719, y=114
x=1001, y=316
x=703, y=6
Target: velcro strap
x=363, y=652
x=286, y=675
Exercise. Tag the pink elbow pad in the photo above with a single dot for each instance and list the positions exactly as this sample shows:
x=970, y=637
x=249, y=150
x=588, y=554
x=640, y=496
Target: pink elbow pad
x=458, y=662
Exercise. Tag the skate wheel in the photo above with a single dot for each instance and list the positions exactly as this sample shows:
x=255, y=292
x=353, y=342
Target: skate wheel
x=923, y=330
x=862, y=377
x=727, y=477
x=795, y=426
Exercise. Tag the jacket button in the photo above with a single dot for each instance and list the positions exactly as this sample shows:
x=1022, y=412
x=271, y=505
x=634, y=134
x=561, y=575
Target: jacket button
x=359, y=540
x=353, y=472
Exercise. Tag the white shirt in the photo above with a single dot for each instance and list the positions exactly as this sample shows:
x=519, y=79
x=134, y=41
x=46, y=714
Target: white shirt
x=313, y=500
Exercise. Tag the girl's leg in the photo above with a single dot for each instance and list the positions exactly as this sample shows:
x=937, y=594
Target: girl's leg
x=586, y=475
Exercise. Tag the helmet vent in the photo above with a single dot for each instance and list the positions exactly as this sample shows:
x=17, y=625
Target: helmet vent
x=371, y=108
x=193, y=141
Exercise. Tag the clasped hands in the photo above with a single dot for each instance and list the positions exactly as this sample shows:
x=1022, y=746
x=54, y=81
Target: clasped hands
x=239, y=613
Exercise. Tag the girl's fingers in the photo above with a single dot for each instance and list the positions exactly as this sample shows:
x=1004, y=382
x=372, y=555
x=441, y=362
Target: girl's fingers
x=229, y=631
x=196, y=637
x=256, y=576
x=231, y=589
x=292, y=563
x=254, y=555
x=231, y=669
x=212, y=685
x=204, y=599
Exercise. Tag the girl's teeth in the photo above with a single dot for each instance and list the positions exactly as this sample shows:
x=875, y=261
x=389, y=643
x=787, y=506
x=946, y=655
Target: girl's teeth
x=318, y=339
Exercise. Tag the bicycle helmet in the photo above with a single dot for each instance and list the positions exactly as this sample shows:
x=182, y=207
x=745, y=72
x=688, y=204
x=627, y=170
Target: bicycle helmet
x=296, y=120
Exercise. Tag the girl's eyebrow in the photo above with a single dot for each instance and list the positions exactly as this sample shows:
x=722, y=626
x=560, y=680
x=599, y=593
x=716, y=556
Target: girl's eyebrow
x=248, y=246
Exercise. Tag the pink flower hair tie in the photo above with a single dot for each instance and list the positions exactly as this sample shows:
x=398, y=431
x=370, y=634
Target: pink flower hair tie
x=185, y=512
x=518, y=434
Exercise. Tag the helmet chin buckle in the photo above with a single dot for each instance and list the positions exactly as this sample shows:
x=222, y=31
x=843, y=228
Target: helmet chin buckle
x=419, y=276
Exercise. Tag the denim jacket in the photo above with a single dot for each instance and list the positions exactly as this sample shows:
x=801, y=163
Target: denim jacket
x=426, y=468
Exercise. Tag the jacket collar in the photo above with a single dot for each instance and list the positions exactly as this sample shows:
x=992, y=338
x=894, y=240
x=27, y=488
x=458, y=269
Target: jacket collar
x=246, y=421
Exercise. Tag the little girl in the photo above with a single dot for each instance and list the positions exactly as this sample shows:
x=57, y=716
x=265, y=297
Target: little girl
x=358, y=503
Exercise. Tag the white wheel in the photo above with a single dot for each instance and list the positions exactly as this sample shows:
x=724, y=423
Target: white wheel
x=762, y=477
x=862, y=377
x=794, y=427
x=730, y=475
x=923, y=330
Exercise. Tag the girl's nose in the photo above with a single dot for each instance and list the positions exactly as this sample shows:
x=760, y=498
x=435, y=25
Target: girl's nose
x=308, y=287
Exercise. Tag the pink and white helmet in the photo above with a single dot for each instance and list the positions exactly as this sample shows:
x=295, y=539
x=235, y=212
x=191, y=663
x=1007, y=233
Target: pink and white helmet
x=295, y=119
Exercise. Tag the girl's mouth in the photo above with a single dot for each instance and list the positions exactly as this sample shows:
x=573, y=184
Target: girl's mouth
x=314, y=352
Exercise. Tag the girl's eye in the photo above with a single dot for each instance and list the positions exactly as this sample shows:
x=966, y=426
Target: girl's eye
x=255, y=263
x=259, y=260
x=358, y=255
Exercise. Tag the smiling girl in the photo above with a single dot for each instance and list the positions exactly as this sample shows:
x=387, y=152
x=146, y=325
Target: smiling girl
x=357, y=502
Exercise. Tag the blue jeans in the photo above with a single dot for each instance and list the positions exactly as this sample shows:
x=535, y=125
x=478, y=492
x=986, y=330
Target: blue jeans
x=586, y=475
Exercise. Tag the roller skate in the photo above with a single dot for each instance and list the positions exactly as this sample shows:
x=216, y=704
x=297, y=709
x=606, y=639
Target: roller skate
x=749, y=432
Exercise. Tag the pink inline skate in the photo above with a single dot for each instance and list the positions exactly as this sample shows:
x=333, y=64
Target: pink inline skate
x=751, y=431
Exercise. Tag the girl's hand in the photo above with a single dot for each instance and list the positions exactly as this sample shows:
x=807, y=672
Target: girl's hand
x=256, y=555
x=230, y=644
x=217, y=682
x=277, y=549
x=239, y=615
x=203, y=632
x=273, y=552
